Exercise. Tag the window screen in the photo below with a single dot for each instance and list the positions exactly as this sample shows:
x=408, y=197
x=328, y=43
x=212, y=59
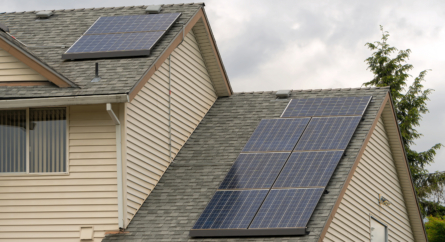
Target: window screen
x=43, y=140
x=47, y=140
x=379, y=231
x=13, y=141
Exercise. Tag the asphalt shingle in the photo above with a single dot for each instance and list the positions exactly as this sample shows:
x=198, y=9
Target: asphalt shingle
x=188, y=184
x=118, y=75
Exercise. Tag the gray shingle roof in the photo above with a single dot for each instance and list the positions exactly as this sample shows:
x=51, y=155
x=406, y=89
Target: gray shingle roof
x=185, y=189
x=64, y=28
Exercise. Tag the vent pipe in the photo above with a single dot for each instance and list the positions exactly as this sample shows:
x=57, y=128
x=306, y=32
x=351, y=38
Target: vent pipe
x=44, y=14
x=97, y=77
x=153, y=9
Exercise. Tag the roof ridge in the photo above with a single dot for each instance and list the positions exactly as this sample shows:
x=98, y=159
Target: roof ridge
x=315, y=90
x=100, y=8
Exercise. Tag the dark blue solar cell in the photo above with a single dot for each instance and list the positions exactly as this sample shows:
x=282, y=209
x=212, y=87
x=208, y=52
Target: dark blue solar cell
x=287, y=208
x=308, y=169
x=231, y=209
x=115, y=42
x=133, y=23
x=327, y=106
x=332, y=133
x=254, y=170
x=276, y=135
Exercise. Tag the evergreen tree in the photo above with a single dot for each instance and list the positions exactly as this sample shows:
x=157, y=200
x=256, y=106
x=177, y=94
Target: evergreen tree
x=409, y=103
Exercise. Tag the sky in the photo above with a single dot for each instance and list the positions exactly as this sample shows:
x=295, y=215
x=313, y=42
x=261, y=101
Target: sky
x=274, y=45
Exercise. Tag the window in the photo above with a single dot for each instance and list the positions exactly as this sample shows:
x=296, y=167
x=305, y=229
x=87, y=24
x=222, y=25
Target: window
x=33, y=140
x=379, y=231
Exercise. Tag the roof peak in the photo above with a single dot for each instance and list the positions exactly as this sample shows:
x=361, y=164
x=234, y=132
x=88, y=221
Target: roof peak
x=316, y=90
x=101, y=8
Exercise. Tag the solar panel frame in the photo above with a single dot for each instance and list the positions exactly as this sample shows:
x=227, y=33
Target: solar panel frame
x=326, y=106
x=146, y=40
x=276, y=135
x=328, y=133
x=287, y=208
x=254, y=170
x=228, y=204
x=133, y=23
x=308, y=169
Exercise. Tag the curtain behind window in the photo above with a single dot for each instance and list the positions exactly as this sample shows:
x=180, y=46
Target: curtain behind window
x=47, y=140
x=13, y=141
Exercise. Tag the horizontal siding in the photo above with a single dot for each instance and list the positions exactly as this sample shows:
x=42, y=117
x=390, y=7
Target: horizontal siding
x=147, y=128
x=375, y=174
x=13, y=70
x=54, y=207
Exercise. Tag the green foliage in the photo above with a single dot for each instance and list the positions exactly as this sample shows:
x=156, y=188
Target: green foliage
x=409, y=103
x=435, y=228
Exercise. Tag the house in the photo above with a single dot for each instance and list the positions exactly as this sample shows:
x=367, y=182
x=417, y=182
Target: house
x=105, y=152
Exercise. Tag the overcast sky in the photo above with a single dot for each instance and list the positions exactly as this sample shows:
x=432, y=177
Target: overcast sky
x=272, y=45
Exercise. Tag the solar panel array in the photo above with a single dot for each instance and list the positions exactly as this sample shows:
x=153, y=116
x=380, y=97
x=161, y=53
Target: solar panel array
x=119, y=36
x=283, y=170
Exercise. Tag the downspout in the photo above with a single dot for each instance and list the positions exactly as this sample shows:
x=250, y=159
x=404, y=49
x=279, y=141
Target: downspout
x=120, y=201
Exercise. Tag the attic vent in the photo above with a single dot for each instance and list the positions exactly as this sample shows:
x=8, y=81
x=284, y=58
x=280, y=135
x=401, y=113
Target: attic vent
x=44, y=14
x=283, y=93
x=4, y=28
x=153, y=9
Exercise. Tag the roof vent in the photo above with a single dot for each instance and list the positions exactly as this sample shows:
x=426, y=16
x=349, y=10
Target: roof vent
x=283, y=93
x=4, y=28
x=153, y=9
x=44, y=14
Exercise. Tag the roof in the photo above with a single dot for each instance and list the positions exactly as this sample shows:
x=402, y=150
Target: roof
x=183, y=192
x=119, y=75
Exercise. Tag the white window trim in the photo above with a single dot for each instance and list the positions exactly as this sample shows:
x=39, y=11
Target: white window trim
x=27, y=173
x=379, y=220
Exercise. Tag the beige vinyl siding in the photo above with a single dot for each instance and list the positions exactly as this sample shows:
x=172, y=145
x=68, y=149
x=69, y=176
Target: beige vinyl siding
x=13, y=70
x=375, y=174
x=54, y=207
x=147, y=115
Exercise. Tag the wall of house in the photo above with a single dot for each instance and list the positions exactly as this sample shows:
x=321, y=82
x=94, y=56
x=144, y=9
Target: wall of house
x=54, y=207
x=147, y=125
x=13, y=70
x=375, y=174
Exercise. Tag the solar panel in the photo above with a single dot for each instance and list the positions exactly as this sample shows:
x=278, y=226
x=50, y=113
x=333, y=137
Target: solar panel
x=121, y=36
x=231, y=209
x=308, y=169
x=276, y=135
x=254, y=171
x=332, y=133
x=326, y=106
x=133, y=23
x=116, y=42
x=287, y=208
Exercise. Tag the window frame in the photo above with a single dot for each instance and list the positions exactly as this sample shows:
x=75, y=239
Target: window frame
x=378, y=220
x=27, y=173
